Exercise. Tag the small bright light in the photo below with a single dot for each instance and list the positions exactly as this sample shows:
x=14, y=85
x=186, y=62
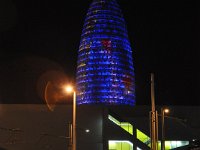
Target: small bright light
x=87, y=130
x=69, y=89
x=166, y=110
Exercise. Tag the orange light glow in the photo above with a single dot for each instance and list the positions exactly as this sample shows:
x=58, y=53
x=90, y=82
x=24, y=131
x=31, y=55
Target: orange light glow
x=166, y=110
x=69, y=89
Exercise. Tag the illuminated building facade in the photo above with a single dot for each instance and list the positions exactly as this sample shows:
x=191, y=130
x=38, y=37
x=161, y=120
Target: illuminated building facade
x=105, y=72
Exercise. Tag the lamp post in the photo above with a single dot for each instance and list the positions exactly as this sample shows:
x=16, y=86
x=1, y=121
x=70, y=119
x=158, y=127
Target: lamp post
x=163, y=111
x=69, y=89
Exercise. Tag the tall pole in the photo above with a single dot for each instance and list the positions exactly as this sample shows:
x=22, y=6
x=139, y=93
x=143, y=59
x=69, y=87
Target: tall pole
x=163, y=110
x=74, y=122
x=153, y=118
x=70, y=137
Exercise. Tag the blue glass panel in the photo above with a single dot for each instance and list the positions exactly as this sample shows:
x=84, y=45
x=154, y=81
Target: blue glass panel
x=105, y=72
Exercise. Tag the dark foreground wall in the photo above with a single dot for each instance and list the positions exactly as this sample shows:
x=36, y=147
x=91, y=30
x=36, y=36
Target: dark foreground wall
x=34, y=127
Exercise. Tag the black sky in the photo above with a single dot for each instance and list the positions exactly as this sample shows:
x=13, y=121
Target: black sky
x=42, y=36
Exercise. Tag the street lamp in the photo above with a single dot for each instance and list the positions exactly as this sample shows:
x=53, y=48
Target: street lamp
x=163, y=111
x=69, y=89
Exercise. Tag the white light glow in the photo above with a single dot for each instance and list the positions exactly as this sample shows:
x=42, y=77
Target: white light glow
x=69, y=89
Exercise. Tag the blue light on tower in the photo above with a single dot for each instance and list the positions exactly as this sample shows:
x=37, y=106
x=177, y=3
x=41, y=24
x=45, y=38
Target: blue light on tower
x=105, y=73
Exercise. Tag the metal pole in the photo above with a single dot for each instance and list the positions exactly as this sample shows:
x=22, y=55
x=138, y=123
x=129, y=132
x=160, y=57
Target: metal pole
x=152, y=93
x=150, y=122
x=163, y=130
x=156, y=130
x=74, y=122
x=70, y=136
x=152, y=114
x=154, y=121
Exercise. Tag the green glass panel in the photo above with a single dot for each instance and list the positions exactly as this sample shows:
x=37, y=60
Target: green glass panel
x=173, y=144
x=143, y=137
x=120, y=145
x=114, y=120
x=127, y=126
x=124, y=125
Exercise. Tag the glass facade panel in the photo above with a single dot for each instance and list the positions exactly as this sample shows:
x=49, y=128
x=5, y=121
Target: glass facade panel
x=127, y=127
x=120, y=145
x=105, y=72
x=173, y=144
x=142, y=137
x=124, y=125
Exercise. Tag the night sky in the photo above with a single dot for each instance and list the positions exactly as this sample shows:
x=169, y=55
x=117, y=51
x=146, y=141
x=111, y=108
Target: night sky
x=39, y=40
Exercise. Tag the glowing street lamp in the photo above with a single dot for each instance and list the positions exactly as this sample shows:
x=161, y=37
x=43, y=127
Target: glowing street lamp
x=163, y=111
x=69, y=89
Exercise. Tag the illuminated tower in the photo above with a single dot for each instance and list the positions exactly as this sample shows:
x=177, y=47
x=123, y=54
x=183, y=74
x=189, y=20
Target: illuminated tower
x=105, y=73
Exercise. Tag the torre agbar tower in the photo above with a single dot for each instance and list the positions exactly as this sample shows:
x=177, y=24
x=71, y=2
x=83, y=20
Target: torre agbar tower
x=105, y=73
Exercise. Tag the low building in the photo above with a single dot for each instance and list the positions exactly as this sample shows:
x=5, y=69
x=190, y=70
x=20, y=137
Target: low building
x=35, y=127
